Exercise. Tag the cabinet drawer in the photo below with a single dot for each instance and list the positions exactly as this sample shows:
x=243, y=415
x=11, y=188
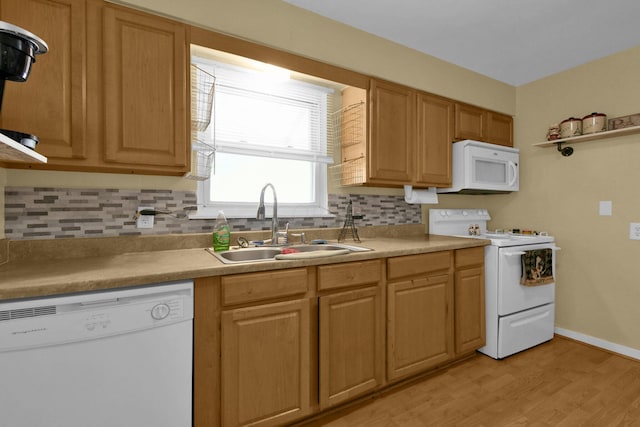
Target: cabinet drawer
x=469, y=256
x=348, y=274
x=243, y=288
x=412, y=265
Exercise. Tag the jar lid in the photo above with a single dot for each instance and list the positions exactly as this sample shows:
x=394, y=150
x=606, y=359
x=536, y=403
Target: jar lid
x=594, y=115
x=570, y=119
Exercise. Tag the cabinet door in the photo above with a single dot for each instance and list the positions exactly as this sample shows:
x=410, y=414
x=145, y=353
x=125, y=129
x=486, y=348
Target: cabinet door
x=50, y=104
x=351, y=345
x=419, y=334
x=145, y=91
x=500, y=129
x=470, y=122
x=469, y=308
x=434, y=138
x=266, y=364
x=390, y=150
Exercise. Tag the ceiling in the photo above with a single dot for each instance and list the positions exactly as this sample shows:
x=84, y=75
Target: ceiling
x=513, y=41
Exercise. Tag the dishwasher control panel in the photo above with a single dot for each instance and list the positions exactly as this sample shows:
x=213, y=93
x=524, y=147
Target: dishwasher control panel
x=94, y=315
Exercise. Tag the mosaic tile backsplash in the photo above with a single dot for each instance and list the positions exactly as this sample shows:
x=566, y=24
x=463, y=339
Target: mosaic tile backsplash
x=50, y=213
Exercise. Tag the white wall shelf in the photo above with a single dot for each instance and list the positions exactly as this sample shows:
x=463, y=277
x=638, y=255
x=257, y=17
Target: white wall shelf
x=12, y=151
x=591, y=137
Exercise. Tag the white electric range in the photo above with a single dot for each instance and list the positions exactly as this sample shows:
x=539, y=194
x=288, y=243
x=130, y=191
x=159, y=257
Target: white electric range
x=519, y=310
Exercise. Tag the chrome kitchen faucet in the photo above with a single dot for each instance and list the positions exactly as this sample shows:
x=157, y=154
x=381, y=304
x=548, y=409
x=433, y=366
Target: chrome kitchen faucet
x=274, y=218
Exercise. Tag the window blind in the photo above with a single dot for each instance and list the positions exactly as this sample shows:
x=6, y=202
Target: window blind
x=257, y=114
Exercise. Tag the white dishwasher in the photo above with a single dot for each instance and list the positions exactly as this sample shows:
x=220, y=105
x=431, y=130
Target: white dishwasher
x=118, y=358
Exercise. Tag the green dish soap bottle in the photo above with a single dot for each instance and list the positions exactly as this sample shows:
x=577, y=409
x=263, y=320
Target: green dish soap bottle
x=221, y=233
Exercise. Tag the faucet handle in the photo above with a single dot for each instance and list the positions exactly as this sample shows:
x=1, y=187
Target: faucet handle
x=303, y=239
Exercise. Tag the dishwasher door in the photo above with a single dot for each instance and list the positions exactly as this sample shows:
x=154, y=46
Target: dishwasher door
x=104, y=359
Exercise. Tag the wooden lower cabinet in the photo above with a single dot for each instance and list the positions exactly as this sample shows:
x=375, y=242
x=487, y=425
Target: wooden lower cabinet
x=206, y=352
x=274, y=347
x=469, y=300
x=266, y=364
x=419, y=324
x=351, y=344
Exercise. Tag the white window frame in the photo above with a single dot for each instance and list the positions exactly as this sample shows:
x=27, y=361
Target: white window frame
x=208, y=208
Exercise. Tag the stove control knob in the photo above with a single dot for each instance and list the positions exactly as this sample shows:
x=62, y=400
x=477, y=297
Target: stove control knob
x=465, y=213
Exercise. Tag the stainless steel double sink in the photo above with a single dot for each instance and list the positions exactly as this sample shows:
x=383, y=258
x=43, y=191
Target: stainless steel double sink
x=269, y=253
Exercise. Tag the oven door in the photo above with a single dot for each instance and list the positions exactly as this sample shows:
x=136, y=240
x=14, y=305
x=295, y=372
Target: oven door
x=512, y=296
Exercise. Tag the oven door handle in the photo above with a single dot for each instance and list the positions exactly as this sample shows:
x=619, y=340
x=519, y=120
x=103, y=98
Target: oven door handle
x=518, y=253
x=514, y=253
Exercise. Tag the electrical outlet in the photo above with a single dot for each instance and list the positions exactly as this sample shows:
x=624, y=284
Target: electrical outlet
x=144, y=221
x=634, y=231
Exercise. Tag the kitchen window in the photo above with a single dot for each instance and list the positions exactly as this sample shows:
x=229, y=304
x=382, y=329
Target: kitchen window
x=266, y=127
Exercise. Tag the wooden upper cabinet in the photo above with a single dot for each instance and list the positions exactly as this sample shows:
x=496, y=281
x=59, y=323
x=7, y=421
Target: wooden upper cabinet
x=478, y=124
x=392, y=133
x=112, y=93
x=500, y=129
x=434, y=134
x=51, y=103
x=145, y=87
x=410, y=136
x=470, y=122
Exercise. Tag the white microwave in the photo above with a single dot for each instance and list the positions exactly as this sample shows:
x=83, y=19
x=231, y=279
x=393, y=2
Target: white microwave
x=482, y=168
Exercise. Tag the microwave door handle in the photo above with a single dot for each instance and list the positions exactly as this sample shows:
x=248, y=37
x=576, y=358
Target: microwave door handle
x=514, y=173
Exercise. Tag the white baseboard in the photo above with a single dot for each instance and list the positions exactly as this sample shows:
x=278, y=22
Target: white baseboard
x=597, y=342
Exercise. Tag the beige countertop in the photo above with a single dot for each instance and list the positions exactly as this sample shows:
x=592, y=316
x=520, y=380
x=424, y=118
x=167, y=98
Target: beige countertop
x=40, y=276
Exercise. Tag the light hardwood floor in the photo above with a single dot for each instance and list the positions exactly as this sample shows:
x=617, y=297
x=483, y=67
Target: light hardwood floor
x=559, y=383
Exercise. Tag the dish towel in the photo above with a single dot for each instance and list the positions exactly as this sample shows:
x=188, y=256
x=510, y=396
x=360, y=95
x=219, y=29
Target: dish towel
x=537, y=267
